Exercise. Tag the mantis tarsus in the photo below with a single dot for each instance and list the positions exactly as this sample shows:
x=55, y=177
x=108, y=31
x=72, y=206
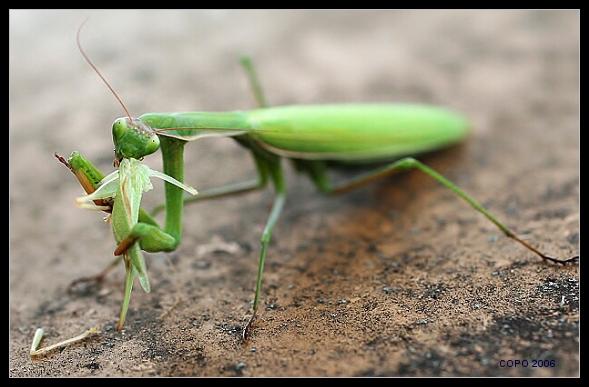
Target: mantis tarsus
x=309, y=136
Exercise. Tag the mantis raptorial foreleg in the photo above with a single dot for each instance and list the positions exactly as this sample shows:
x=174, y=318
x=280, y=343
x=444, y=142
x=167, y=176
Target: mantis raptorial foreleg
x=124, y=189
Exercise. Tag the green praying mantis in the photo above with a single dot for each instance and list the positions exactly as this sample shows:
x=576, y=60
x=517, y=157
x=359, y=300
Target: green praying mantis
x=309, y=136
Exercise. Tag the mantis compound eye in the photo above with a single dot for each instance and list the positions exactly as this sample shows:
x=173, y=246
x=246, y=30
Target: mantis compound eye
x=119, y=128
x=152, y=145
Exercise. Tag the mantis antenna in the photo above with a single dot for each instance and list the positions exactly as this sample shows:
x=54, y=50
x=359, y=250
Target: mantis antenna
x=98, y=72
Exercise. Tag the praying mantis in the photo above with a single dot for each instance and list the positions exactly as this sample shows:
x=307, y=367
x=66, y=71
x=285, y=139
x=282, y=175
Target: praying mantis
x=309, y=136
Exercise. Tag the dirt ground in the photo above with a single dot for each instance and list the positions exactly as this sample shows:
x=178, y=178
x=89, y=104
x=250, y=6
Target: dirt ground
x=399, y=278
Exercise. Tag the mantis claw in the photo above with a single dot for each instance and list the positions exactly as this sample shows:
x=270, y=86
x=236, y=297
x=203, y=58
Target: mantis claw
x=245, y=333
x=566, y=262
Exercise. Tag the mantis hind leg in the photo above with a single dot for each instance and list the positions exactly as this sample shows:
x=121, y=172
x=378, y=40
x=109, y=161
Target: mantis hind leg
x=317, y=171
x=274, y=168
x=266, y=235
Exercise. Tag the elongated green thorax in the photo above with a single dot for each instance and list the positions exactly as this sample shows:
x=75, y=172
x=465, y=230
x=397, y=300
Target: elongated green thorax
x=189, y=126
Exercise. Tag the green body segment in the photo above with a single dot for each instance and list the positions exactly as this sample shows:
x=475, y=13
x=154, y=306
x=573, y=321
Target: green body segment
x=356, y=132
x=189, y=126
x=344, y=132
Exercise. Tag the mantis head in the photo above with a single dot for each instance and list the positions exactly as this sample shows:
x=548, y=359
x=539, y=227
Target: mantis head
x=133, y=139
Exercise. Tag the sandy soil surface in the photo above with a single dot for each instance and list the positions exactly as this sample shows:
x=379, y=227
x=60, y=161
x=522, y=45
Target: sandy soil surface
x=399, y=278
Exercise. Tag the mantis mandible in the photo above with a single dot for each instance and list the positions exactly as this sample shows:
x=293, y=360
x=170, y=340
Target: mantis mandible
x=309, y=136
